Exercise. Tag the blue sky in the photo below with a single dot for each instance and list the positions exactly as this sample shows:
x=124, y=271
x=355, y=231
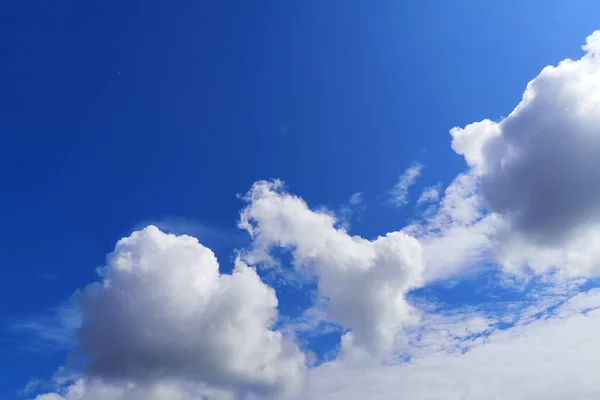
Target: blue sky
x=119, y=115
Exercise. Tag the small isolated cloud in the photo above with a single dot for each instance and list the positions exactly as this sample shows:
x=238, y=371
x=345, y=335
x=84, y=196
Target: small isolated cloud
x=399, y=194
x=356, y=199
x=430, y=194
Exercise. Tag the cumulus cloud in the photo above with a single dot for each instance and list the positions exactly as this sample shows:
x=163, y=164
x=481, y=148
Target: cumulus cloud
x=539, y=166
x=464, y=359
x=537, y=175
x=164, y=313
x=364, y=281
x=399, y=193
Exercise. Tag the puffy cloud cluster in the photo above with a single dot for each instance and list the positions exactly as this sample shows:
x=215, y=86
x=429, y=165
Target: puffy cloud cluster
x=164, y=313
x=364, y=281
x=165, y=322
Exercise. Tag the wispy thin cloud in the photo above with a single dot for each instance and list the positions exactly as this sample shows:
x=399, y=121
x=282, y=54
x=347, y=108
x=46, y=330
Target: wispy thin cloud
x=399, y=193
x=430, y=194
x=52, y=330
x=352, y=210
x=31, y=387
x=356, y=199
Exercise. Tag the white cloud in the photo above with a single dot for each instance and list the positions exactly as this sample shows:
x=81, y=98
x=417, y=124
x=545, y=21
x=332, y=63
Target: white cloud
x=457, y=235
x=164, y=313
x=471, y=140
x=554, y=358
x=429, y=194
x=399, y=193
x=364, y=281
x=89, y=389
x=531, y=197
x=539, y=169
